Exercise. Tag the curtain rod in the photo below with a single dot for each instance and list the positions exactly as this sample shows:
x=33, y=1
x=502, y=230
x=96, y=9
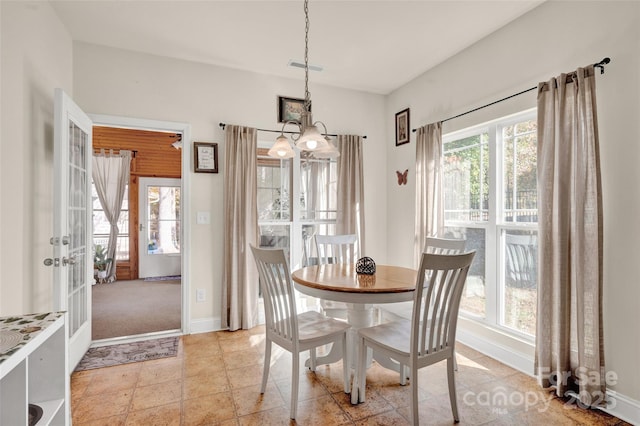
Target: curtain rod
x=133, y=151
x=600, y=65
x=222, y=125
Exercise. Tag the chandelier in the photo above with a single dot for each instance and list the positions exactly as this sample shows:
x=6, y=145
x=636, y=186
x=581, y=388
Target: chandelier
x=308, y=137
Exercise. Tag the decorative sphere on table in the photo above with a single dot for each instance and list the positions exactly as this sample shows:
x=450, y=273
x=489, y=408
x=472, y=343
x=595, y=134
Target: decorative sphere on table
x=366, y=266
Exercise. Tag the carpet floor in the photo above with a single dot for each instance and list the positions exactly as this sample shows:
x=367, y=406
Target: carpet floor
x=125, y=353
x=129, y=308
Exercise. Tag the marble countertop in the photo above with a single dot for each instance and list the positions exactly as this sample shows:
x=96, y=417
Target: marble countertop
x=16, y=331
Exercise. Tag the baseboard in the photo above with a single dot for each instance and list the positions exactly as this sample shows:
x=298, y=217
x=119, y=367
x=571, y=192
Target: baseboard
x=623, y=407
x=205, y=325
x=619, y=405
x=505, y=355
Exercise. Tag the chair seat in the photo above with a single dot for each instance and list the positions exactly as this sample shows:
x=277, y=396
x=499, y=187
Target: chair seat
x=313, y=325
x=394, y=336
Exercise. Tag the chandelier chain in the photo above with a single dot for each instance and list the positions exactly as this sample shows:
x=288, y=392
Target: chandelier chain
x=307, y=95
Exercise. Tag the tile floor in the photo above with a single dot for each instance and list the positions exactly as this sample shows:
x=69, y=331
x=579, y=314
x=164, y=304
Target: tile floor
x=215, y=380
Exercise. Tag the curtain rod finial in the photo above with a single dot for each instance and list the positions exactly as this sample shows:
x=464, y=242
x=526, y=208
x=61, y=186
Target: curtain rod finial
x=602, y=63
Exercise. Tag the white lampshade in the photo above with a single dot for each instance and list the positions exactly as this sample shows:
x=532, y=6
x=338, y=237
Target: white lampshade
x=331, y=151
x=311, y=140
x=281, y=148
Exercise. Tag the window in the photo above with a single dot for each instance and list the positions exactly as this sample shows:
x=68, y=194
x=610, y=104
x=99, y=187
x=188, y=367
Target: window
x=296, y=199
x=101, y=227
x=491, y=200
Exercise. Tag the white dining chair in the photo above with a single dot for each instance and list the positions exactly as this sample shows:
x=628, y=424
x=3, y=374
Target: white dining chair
x=336, y=249
x=402, y=310
x=430, y=336
x=293, y=332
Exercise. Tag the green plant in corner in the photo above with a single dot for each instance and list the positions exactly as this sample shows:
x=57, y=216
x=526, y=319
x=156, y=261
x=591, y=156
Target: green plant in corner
x=100, y=259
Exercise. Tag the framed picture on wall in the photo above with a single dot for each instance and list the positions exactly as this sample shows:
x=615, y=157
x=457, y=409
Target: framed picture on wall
x=290, y=109
x=402, y=127
x=205, y=157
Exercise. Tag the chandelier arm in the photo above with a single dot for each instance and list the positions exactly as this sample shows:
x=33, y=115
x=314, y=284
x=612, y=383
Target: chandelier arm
x=323, y=126
x=293, y=134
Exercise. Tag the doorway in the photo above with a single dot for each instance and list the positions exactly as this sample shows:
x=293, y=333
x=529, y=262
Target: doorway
x=157, y=167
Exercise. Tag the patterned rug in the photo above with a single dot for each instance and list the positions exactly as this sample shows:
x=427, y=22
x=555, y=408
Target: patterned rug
x=165, y=278
x=107, y=356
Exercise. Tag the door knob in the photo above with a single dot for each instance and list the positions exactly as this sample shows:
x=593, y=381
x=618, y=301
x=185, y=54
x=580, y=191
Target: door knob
x=69, y=261
x=55, y=262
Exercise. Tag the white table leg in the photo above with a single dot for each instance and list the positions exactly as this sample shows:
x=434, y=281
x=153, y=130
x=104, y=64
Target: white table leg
x=358, y=315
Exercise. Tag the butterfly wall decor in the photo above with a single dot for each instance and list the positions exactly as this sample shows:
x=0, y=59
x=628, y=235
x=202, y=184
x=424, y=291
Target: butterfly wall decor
x=402, y=177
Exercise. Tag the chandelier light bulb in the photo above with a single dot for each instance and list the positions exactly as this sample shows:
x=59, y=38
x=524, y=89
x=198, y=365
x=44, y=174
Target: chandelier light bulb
x=281, y=149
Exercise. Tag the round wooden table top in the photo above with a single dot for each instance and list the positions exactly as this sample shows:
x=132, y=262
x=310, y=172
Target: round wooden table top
x=343, y=278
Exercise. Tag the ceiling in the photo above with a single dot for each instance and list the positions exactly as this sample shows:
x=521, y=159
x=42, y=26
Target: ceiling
x=374, y=46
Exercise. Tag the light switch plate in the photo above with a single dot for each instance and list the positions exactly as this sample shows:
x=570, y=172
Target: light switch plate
x=203, y=218
x=200, y=295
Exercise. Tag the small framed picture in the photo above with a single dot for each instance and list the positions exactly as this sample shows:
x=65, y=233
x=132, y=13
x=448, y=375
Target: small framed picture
x=290, y=109
x=205, y=157
x=402, y=127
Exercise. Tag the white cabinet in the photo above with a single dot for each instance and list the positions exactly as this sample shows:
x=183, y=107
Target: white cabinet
x=35, y=369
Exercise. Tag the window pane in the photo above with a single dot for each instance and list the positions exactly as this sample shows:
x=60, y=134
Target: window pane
x=275, y=236
x=102, y=228
x=163, y=228
x=273, y=190
x=473, y=297
x=122, y=248
x=519, y=172
x=466, y=178
x=100, y=223
x=318, y=189
x=519, y=289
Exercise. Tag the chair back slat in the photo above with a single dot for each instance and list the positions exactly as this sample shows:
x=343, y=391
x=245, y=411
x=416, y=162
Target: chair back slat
x=441, y=279
x=337, y=248
x=443, y=245
x=278, y=293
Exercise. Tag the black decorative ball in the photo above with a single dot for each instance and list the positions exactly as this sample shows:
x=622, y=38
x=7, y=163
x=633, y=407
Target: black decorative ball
x=366, y=266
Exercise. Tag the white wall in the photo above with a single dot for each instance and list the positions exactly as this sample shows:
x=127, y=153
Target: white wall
x=36, y=58
x=553, y=38
x=119, y=82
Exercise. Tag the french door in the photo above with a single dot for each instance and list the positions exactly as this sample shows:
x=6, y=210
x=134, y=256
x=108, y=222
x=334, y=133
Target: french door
x=73, y=254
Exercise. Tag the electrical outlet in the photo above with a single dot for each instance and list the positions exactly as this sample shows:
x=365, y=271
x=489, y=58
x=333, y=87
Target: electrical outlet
x=200, y=295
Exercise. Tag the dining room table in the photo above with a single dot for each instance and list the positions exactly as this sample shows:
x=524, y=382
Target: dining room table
x=339, y=282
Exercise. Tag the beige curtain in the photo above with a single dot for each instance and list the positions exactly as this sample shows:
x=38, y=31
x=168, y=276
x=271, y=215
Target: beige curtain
x=110, y=173
x=240, y=282
x=429, y=192
x=318, y=194
x=569, y=341
x=350, y=192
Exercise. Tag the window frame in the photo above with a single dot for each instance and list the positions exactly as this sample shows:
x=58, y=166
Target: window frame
x=295, y=223
x=495, y=227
